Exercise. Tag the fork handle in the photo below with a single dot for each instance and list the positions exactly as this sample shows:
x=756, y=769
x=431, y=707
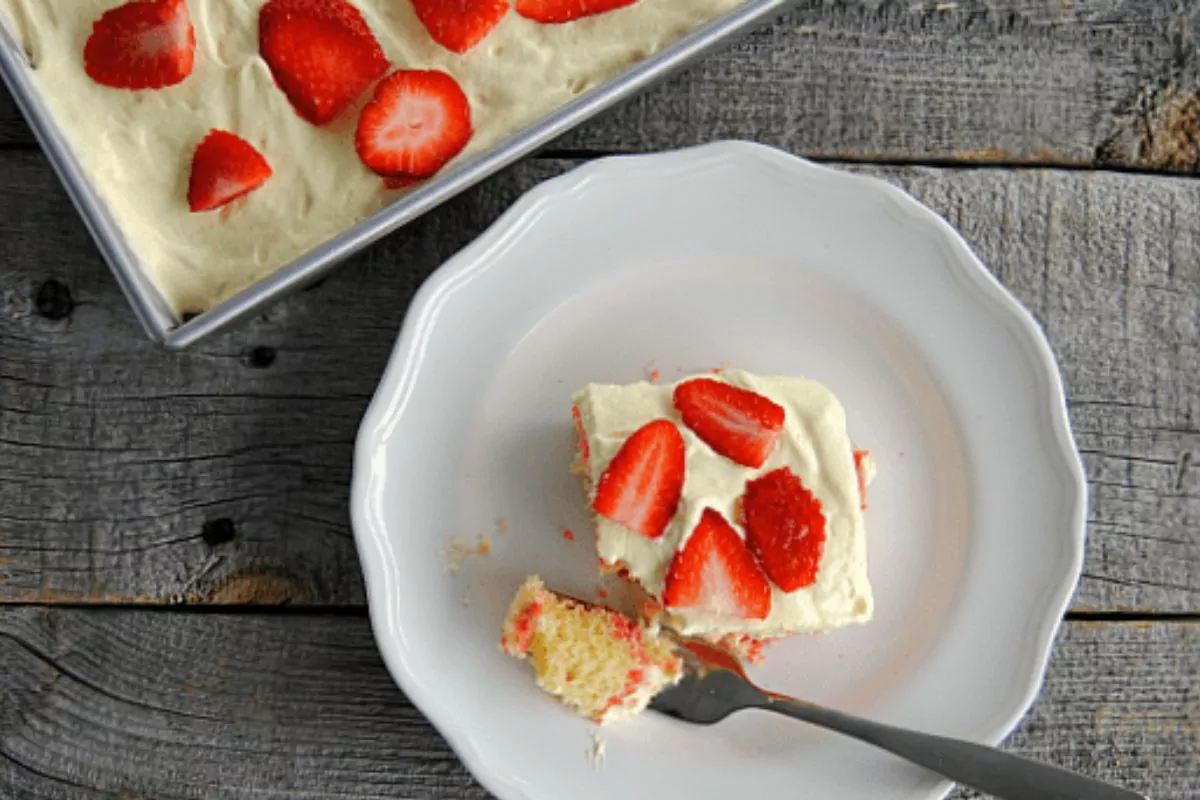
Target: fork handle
x=981, y=767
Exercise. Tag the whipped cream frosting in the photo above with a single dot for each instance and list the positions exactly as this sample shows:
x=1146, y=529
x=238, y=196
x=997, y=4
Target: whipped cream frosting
x=814, y=445
x=136, y=147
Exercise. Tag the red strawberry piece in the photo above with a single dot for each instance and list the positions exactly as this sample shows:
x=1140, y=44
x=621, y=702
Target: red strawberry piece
x=640, y=487
x=860, y=468
x=553, y=11
x=585, y=451
x=784, y=528
x=716, y=572
x=224, y=168
x=321, y=52
x=417, y=121
x=737, y=423
x=715, y=656
x=459, y=25
x=141, y=45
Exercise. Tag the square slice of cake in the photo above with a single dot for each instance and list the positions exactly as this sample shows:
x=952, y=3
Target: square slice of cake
x=734, y=500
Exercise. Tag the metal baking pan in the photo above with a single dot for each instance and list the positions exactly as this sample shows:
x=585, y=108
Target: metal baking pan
x=162, y=322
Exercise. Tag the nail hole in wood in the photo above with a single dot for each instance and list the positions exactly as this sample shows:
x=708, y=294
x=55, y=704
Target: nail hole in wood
x=54, y=300
x=260, y=357
x=218, y=531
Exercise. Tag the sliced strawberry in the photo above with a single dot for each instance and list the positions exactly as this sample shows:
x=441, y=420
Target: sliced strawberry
x=784, y=528
x=459, y=25
x=640, y=487
x=141, y=45
x=321, y=52
x=716, y=572
x=417, y=121
x=737, y=423
x=224, y=168
x=553, y=11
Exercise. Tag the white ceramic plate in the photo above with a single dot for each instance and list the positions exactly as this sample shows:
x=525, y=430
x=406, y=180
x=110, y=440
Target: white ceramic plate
x=726, y=253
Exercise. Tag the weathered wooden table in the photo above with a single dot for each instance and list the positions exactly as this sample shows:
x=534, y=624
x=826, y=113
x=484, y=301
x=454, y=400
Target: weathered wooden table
x=181, y=612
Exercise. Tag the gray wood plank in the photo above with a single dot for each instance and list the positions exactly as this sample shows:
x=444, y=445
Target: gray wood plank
x=115, y=455
x=1082, y=82
x=299, y=706
x=1103, y=262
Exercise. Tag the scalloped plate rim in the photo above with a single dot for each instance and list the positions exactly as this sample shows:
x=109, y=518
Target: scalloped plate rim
x=404, y=367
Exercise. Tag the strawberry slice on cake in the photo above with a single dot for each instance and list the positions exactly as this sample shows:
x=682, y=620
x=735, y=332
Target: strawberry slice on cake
x=417, y=121
x=716, y=572
x=784, y=528
x=640, y=487
x=321, y=53
x=559, y=11
x=224, y=168
x=459, y=25
x=738, y=424
x=148, y=44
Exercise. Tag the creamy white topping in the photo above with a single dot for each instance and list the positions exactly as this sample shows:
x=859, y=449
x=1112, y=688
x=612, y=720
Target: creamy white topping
x=814, y=445
x=136, y=147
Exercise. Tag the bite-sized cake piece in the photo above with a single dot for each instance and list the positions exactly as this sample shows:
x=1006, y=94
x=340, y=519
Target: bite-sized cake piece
x=596, y=661
x=735, y=500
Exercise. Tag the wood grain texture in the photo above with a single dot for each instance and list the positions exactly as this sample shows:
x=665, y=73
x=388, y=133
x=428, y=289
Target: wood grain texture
x=1080, y=82
x=114, y=455
x=219, y=476
x=1103, y=262
x=300, y=706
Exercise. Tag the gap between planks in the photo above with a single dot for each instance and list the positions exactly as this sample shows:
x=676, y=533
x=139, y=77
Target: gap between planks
x=981, y=161
x=362, y=612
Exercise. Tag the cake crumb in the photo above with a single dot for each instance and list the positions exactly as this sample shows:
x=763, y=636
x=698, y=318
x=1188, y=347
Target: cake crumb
x=596, y=751
x=724, y=366
x=653, y=374
x=602, y=593
x=568, y=535
x=502, y=525
x=459, y=550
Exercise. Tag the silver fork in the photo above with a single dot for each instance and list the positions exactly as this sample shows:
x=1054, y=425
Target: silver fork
x=714, y=686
